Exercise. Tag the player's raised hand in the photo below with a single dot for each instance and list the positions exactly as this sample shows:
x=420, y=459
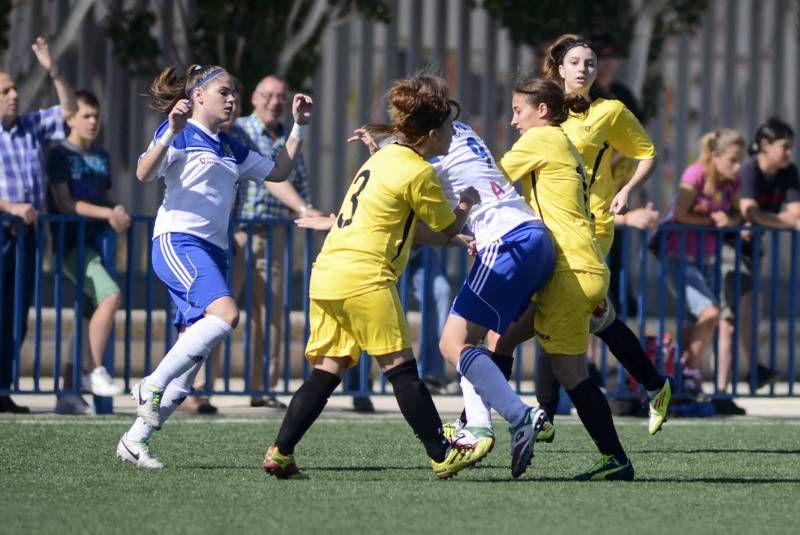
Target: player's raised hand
x=470, y=196
x=42, y=52
x=179, y=114
x=302, y=105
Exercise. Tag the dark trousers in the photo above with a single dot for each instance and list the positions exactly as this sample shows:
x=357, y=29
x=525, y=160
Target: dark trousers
x=15, y=288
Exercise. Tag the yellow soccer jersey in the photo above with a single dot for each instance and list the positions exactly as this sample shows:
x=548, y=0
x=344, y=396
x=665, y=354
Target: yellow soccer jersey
x=368, y=246
x=607, y=125
x=555, y=185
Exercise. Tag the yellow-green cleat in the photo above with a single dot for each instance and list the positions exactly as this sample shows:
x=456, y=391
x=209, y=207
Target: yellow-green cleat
x=281, y=466
x=659, y=406
x=548, y=432
x=451, y=429
x=465, y=451
x=608, y=469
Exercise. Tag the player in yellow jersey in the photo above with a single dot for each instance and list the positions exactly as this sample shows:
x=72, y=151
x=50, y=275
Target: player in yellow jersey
x=554, y=181
x=607, y=126
x=354, y=301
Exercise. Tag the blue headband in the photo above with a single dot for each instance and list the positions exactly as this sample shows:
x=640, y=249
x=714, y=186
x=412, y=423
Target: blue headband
x=204, y=80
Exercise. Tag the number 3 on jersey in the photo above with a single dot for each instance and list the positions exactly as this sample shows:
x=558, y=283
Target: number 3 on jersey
x=342, y=222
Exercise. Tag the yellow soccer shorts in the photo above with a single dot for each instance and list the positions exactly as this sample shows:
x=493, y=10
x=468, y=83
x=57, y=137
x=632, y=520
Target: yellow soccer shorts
x=563, y=308
x=373, y=322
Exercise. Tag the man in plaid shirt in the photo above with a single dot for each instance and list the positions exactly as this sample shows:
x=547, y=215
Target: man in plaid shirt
x=22, y=188
x=266, y=132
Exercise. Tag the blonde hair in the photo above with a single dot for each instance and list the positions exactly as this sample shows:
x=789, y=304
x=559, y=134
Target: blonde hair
x=713, y=144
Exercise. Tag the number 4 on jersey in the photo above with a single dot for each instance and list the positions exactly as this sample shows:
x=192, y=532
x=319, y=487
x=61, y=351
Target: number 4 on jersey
x=496, y=189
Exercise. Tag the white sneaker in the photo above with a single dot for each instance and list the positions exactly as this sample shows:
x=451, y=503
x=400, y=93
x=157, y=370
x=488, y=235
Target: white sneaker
x=523, y=436
x=101, y=383
x=137, y=453
x=148, y=403
x=72, y=404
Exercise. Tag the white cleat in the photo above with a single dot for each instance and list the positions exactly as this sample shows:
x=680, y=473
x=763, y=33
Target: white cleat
x=137, y=453
x=148, y=403
x=101, y=383
x=523, y=436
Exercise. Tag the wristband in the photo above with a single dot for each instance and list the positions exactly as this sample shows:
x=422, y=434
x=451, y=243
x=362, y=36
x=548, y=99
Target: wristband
x=167, y=137
x=299, y=131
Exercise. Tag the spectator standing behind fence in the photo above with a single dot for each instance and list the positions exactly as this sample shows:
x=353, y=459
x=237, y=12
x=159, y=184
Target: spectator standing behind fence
x=268, y=134
x=80, y=183
x=708, y=195
x=770, y=197
x=22, y=187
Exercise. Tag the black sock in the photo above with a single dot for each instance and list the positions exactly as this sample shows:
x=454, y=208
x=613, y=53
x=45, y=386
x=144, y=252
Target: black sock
x=594, y=412
x=548, y=389
x=625, y=346
x=305, y=407
x=506, y=365
x=418, y=409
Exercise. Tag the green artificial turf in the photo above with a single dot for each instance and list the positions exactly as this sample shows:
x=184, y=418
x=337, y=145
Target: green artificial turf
x=370, y=475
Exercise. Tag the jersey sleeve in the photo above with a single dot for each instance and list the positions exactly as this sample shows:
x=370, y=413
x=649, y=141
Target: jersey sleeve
x=628, y=137
x=57, y=166
x=524, y=157
x=255, y=167
x=426, y=197
x=748, y=176
x=172, y=151
x=793, y=187
x=49, y=123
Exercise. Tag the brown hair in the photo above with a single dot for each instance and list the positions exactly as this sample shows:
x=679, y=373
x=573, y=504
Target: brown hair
x=414, y=110
x=88, y=98
x=540, y=91
x=554, y=55
x=168, y=87
x=715, y=143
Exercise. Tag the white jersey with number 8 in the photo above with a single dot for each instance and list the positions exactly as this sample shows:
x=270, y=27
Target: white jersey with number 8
x=469, y=163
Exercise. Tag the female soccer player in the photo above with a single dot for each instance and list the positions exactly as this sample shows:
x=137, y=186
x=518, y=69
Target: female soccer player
x=201, y=167
x=607, y=126
x=555, y=184
x=354, y=301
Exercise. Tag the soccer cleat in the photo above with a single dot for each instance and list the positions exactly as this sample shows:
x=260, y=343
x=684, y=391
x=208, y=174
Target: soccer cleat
x=523, y=436
x=451, y=429
x=137, y=453
x=101, y=383
x=548, y=432
x=658, y=408
x=72, y=404
x=471, y=436
x=148, y=403
x=281, y=466
x=608, y=469
x=460, y=456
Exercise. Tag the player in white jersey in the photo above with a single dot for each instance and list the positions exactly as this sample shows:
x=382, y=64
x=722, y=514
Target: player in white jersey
x=515, y=257
x=201, y=167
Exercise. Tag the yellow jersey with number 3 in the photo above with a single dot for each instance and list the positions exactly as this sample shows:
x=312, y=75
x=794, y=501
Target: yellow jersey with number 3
x=608, y=126
x=369, y=244
x=554, y=184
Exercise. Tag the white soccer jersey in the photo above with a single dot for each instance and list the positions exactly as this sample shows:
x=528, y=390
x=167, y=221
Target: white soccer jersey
x=201, y=171
x=469, y=163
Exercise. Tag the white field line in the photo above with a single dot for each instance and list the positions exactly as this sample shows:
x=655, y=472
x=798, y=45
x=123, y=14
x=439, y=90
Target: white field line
x=373, y=420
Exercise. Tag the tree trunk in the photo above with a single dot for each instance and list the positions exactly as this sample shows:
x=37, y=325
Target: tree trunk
x=646, y=12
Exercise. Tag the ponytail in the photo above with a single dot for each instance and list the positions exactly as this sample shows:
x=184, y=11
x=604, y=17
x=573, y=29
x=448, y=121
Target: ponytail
x=169, y=87
x=548, y=92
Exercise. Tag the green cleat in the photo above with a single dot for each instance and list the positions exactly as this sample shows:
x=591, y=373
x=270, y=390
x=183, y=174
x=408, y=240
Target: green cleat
x=608, y=469
x=470, y=436
x=659, y=406
x=548, y=432
x=469, y=451
x=281, y=466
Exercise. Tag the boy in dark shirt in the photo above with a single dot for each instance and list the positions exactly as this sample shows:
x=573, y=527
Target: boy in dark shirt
x=80, y=183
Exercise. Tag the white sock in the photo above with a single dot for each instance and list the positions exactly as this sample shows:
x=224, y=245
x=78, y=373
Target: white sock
x=476, y=365
x=479, y=414
x=175, y=393
x=192, y=347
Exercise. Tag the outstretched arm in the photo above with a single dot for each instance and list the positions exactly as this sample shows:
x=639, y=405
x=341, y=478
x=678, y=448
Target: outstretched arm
x=286, y=159
x=66, y=97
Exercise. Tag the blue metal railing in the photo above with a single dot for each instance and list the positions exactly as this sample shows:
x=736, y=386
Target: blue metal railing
x=143, y=297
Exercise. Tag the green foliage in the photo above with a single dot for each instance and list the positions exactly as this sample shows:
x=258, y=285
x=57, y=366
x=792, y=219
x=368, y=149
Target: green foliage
x=536, y=24
x=5, y=14
x=245, y=36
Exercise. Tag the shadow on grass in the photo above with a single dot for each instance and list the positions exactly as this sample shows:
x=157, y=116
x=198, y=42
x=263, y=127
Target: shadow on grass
x=704, y=480
x=724, y=450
